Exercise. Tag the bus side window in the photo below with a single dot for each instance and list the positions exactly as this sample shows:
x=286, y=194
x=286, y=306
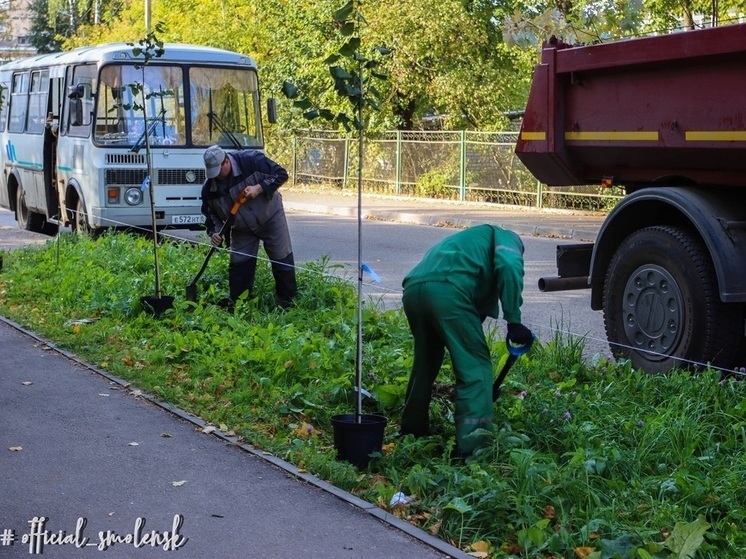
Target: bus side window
x=37, y=111
x=18, y=102
x=80, y=101
x=4, y=101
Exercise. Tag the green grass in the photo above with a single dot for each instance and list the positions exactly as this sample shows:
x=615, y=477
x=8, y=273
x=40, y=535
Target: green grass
x=594, y=459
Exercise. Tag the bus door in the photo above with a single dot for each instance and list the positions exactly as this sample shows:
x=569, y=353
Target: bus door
x=51, y=133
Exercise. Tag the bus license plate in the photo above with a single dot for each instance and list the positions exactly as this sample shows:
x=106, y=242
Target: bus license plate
x=186, y=219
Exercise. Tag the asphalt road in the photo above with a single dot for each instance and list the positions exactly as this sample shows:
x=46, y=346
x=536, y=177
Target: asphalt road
x=391, y=249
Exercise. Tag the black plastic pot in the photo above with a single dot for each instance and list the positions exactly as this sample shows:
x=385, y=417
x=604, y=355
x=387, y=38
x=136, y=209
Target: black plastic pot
x=157, y=305
x=354, y=441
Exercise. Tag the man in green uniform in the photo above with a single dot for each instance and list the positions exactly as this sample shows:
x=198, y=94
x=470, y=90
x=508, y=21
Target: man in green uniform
x=459, y=283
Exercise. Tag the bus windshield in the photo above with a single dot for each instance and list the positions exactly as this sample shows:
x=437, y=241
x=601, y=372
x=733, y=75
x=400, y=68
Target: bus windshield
x=119, y=115
x=215, y=106
x=224, y=107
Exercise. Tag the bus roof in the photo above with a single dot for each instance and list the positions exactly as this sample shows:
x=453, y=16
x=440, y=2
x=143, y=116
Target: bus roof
x=121, y=52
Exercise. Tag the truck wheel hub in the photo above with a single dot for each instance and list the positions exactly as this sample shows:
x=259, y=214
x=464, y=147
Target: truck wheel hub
x=652, y=306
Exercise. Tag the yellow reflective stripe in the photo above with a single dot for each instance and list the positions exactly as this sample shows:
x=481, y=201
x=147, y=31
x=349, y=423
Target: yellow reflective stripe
x=716, y=136
x=615, y=136
x=534, y=136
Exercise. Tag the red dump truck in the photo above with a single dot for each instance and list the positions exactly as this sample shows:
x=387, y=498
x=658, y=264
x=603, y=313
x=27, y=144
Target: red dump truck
x=664, y=117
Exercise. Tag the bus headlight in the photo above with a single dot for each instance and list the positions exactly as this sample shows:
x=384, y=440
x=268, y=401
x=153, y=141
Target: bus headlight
x=133, y=196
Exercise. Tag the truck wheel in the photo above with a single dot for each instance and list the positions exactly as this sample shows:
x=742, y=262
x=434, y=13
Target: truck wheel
x=661, y=304
x=28, y=220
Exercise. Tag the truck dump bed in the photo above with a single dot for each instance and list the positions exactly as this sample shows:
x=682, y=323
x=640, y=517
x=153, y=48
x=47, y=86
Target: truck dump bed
x=667, y=109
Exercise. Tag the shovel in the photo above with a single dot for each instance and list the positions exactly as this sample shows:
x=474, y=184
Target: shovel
x=191, y=289
x=514, y=351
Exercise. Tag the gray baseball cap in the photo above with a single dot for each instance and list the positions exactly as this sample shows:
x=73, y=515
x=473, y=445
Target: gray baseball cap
x=214, y=157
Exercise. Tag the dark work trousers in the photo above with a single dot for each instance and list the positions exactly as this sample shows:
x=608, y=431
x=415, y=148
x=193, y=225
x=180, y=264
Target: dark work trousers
x=244, y=249
x=441, y=316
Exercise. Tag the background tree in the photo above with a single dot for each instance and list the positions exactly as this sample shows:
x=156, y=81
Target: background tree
x=43, y=32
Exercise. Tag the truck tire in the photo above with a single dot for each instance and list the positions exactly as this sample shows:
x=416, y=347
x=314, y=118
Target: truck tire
x=662, y=307
x=28, y=220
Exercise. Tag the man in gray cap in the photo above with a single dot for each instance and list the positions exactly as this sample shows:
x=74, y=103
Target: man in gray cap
x=261, y=218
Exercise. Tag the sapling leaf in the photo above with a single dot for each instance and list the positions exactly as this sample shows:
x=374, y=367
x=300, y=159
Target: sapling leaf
x=347, y=29
x=344, y=12
x=326, y=114
x=289, y=90
x=302, y=104
x=349, y=49
x=339, y=73
x=331, y=59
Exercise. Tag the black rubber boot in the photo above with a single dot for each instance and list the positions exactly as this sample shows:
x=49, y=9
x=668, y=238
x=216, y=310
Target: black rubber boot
x=241, y=277
x=285, y=285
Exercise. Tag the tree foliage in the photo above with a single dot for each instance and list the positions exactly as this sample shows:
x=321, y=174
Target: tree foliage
x=466, y=62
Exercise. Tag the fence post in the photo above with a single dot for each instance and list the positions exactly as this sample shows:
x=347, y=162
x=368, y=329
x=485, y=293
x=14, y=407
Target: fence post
x=462, y=167
x=398, y=161
x=346, y=166
x=539, y=194
x=295, y=159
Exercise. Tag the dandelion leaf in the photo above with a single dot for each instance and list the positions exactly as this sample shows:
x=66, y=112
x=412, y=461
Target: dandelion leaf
x=618, y=548
x=687, y=538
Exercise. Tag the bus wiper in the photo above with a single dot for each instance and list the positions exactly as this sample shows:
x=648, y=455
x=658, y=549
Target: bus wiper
x=221, y=126
x=149, y=130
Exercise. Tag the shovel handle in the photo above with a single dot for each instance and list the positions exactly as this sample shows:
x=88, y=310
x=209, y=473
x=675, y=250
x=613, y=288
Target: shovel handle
x=241, y=199
x=514, y=352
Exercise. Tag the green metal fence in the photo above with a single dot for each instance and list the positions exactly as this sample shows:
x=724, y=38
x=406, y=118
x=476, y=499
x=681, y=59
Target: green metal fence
x=468, y=166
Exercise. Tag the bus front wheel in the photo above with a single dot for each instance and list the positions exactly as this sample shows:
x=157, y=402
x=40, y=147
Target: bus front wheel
x=80, y=220
x=27, y=220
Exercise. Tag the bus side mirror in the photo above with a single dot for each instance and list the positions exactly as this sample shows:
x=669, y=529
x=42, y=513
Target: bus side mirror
x=76, y=93
x=271, y=110
x=76, y=112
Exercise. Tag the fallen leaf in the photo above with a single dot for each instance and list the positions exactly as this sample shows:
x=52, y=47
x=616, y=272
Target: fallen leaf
x=223, y=427
x=134, y=444
x=166, y=435
x=178, y=483
x=27, y=383
x=549, y=512
x=103, y=394
x=302, y=471
x=481, y=554
x=15, y=448
x=582, y=552
x=435, y=528
x=209, y=429
x=480, y=546
x=388, y=447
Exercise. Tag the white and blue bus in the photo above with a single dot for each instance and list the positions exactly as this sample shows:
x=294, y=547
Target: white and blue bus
x=72, y=133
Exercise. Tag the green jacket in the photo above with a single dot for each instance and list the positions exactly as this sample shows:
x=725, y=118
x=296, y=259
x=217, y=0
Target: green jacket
x=485, y=263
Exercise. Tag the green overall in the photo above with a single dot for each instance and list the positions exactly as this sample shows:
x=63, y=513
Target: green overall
x=447, y=297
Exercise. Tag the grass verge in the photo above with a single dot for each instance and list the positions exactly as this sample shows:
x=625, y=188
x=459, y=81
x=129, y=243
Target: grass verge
x=586, y=459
